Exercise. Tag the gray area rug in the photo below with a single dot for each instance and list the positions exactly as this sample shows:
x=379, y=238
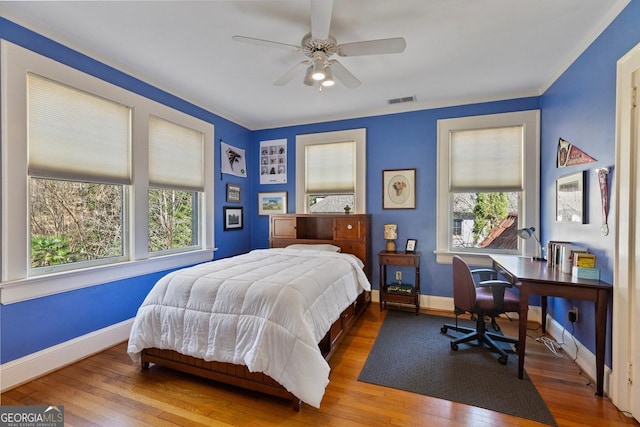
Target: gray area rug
x=410, y=353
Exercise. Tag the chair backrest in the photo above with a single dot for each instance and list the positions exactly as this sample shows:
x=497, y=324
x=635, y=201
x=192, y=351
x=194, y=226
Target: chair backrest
x=464, y=288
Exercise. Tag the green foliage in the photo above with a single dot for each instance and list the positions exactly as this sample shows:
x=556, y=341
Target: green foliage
x=171, y=221
x=489, y=210
x=74, y=221
x=46, y=251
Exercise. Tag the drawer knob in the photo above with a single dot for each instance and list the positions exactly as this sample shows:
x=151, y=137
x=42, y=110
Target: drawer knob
x=349, y=226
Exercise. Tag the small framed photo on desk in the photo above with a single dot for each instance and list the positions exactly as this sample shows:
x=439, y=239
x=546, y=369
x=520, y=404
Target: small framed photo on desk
x=411, y=245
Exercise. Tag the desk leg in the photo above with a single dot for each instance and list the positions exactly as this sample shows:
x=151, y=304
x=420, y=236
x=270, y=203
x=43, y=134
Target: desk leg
x=601, y=327
x=522, y=323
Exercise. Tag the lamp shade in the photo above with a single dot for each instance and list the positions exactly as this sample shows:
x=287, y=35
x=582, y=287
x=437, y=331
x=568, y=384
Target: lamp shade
x=308, y=79
x=390, y=231
x=526, y=233
x=328, y=77
x=318, y=66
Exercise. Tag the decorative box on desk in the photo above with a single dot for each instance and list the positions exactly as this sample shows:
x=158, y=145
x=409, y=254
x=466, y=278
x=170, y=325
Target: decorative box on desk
x=394, y=292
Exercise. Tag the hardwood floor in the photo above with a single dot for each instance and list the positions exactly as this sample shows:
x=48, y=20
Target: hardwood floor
x=107, y=389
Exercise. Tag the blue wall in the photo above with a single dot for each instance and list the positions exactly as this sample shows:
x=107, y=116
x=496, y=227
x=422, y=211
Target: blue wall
x=579, y=107
x=395, y=141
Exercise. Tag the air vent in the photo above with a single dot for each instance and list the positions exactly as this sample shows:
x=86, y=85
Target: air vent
x=402, y=100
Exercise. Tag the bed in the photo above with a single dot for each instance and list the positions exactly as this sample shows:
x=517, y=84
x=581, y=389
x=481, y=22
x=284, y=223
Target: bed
x=267, y=320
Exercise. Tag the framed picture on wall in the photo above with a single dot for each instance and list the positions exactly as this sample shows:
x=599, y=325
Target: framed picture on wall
x=272, y=202
x=571, y=198
x=399, y=189
x=233, y=218
x=233, y=193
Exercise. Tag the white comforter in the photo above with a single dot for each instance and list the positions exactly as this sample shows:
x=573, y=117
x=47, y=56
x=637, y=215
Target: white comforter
x=267, y=309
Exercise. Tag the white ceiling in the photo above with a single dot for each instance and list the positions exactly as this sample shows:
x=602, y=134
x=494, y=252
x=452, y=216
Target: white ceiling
x=458, y=51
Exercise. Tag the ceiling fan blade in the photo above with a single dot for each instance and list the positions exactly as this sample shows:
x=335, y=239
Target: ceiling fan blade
x=344, y=75
x=321, y=18
x=267, y=43
x=373, y=47
x=286, y=78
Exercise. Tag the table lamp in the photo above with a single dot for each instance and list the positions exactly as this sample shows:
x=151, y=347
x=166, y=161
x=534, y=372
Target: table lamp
x=390, y=235
x=527, y=233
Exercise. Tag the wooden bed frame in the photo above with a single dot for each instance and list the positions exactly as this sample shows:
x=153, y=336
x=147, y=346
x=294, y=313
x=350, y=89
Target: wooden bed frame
x=239, y=375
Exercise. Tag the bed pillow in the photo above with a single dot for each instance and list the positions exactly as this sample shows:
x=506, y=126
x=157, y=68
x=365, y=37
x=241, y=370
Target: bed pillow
x=315, y=247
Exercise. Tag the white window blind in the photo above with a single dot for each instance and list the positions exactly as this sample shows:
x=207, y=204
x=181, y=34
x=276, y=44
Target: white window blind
x=330, y=168
x=176, y=157
x=75, y=135
x=486, y=160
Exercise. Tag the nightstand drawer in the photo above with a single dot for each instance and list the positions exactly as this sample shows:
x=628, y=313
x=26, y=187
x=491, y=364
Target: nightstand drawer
x=399, y=260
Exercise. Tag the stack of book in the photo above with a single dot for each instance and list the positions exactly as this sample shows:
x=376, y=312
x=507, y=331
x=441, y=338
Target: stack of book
x=400, y=288
x=561, y=255
x=584, y=267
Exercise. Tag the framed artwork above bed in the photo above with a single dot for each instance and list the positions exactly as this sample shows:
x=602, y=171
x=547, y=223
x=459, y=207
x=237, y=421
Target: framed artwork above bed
x=233, y=218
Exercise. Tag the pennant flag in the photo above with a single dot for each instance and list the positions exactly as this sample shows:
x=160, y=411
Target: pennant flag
x=569, y=155
x=232, y=160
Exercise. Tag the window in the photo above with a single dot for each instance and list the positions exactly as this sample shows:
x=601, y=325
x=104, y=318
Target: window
x=330, y=172
x=457, y=227
x=487, y=183
x=78, y=161
x=176, y=176
x=87, y=182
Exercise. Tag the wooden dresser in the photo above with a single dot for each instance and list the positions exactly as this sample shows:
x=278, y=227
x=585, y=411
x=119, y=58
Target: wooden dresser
x=350, y=232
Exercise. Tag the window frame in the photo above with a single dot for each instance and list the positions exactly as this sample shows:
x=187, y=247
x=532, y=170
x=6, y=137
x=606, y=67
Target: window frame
x=360, y=138
x=16, y=282
x=529, y=209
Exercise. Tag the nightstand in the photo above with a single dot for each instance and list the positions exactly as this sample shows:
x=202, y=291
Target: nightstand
x=398, y=294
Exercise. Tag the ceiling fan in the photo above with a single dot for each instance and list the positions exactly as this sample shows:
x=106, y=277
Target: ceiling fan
x=319, y=47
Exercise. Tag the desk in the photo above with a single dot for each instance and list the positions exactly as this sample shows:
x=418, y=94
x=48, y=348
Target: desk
x=535, y=278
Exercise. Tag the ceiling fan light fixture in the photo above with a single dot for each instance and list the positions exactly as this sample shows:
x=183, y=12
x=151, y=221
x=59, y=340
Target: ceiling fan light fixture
x=308, y=78
x=328, y=77
x=319, y=59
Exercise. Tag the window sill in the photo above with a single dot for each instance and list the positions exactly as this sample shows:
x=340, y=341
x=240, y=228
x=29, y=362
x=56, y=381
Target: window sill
x=40, y=286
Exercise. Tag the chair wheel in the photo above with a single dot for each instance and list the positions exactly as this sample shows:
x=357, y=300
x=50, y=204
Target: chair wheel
x=502, y=360
x=454, y=346
x=443, y=330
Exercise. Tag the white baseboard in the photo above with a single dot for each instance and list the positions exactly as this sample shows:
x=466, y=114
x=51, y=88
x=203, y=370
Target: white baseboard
x=585, y=359
x=25, y=369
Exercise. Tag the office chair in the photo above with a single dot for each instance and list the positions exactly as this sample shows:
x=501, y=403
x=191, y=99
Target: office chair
x=487, y=298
